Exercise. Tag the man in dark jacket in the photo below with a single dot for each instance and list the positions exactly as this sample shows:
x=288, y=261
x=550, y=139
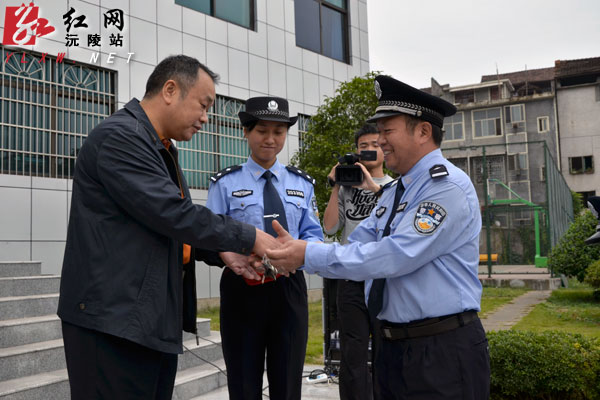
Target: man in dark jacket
x=128, y=279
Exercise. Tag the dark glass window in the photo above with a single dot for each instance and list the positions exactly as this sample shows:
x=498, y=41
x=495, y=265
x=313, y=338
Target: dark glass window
x=581, y=165
x=322, y=26
x=240, y=12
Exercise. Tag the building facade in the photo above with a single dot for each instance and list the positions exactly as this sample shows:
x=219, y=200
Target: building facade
x=578, y=105
x=58, y=85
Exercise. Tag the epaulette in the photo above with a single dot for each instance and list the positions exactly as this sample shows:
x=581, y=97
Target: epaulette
x=224, y=172
x=303, y=174
x=387, y=185
x=437, y=171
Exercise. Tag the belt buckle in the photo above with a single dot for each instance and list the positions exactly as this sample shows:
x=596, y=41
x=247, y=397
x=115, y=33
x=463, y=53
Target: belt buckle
x=387, y=333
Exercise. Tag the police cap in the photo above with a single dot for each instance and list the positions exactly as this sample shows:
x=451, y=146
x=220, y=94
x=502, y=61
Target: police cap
x=396, y=97
x=266, y=108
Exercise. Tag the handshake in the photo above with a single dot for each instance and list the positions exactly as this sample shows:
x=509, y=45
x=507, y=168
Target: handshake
x=270, y=255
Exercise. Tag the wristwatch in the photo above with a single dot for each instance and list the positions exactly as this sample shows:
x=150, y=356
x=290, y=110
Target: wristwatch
x=330, y=182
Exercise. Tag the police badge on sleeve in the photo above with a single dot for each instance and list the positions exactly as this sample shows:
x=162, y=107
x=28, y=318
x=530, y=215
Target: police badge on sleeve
x=429, y=217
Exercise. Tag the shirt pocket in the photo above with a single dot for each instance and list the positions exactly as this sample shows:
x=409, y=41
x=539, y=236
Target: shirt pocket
x=295, y=209
x=247, y=209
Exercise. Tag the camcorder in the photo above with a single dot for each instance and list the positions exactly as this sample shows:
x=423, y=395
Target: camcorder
x=348, y=174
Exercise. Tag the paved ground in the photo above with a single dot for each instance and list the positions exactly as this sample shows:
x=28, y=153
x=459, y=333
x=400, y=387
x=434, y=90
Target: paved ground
x=503, y=318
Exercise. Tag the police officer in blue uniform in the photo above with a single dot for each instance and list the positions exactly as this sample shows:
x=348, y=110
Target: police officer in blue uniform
x=420, y=245
x=260, y=314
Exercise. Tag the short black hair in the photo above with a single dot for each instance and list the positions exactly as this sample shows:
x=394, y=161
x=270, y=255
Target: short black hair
x=182, y=69
x=436, y=131
x=366, y=129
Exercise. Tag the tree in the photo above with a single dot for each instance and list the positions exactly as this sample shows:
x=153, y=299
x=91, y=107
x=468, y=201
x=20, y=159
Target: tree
x=332, y=129
x=571, y=256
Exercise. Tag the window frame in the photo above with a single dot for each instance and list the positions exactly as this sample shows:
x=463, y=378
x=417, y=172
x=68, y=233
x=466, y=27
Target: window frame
x=345, y=12
x=252, y=9
x=47, y=110
x=582, y=169
x=497, y=124
x=546, y=120
x=462, y=123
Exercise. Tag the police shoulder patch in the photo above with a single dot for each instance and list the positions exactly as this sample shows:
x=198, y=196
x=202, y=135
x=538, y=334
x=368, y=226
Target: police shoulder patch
x=438, y=170
x=303, y=174
x=380, y=212
x=224, y=172
x=429, y=217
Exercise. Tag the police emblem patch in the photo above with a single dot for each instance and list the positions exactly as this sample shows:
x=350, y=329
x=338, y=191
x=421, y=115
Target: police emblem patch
x=242, y=193
x=377, y=90
x=272, y=106
x=380, y=211
x=429, y=217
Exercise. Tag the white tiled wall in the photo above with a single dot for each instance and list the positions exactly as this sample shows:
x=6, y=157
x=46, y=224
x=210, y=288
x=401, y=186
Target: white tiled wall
x=250, y=62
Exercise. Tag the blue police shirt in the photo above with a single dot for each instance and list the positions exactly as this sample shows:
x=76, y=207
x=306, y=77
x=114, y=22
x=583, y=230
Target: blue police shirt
x=430, y=258
x=239, y=194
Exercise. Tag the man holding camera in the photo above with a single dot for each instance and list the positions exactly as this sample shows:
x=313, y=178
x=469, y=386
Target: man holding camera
x=347, y=207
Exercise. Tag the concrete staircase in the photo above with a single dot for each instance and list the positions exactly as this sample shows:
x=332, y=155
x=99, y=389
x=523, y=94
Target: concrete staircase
x=32, y=360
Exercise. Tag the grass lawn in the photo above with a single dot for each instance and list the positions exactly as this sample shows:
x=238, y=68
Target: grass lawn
x=571, y=309
x=492, y=299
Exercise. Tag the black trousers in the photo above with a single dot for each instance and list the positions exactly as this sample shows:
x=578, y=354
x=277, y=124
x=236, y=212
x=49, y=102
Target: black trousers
x=355, y=329
x=451, y=365
x=272, y=319
x=102, y=366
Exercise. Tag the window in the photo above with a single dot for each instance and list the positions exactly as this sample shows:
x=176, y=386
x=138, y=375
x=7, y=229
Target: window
x=487, y=122
x=517, y=162
x=515, y=118
x=494, y=93
x=543, y=124
x=453, y=127
x=322, y=26
x=465, y=96
x=46, y=111
x=220, y=144
x=585, y=196
x=303, y=121
x=581, y=165
x=239, y=12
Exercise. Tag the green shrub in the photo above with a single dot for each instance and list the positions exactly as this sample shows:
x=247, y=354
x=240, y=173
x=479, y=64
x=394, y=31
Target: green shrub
x=571, y=256
x=592, y=275
x=548, y=365
x=578, y=205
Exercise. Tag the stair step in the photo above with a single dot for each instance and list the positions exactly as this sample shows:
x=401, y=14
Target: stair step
x=28, y=306
x=199, y=380
x=40, y=357
x=208, y=349
x=29, y=285
x=31, y=359
x=20, y=268
x=17, y=332
x=53, y=385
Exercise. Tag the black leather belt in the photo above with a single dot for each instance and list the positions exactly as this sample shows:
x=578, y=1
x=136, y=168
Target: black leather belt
x=426, y=327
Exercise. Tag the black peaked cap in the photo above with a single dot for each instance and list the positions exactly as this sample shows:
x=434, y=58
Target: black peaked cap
x=397, y=97
x=266, y=108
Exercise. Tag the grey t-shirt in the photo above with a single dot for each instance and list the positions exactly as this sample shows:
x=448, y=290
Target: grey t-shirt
x=354, y=205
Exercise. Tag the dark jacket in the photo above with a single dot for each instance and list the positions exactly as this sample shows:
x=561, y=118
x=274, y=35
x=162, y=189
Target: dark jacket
x=122, y=271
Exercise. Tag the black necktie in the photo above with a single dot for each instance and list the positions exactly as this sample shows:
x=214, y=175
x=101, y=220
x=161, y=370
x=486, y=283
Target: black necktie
x=376, y=293
x=272, y=205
